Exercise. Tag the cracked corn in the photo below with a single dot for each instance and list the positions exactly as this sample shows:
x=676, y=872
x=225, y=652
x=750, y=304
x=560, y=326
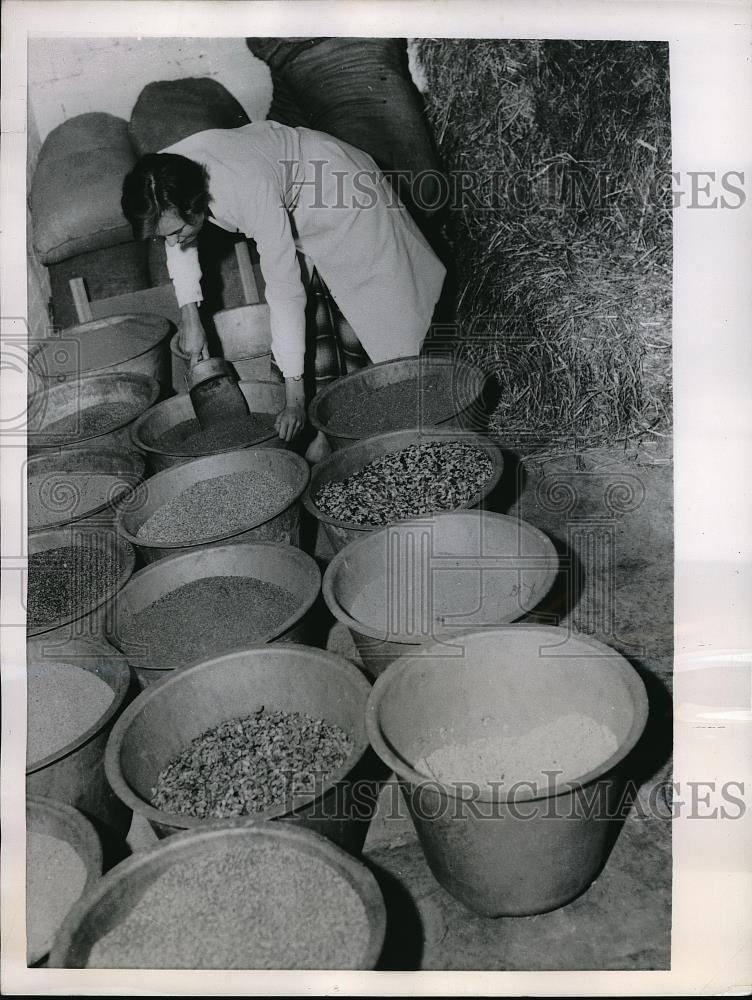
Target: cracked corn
x=421, y=479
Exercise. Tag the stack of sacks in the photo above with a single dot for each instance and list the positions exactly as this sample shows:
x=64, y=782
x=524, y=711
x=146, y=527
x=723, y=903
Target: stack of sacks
x=78, y=228
x=166, y=112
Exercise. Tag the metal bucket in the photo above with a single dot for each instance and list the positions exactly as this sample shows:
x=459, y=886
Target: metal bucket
x=75, y=773
x=434, y=577
x=56, y=402
x=345, y=462
x=245, y=334
x=282, y=565
x=506, y=849
x=88, y=618
x=62, y=480
x=262, y=397
x=279, y=524
x=113, y=898
x=165, y=717
x=54, y=819
x=132, y=343
x=463, y=407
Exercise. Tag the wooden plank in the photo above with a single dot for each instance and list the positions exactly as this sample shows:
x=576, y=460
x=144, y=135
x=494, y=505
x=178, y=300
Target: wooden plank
x=247, y=277
x=80, y=300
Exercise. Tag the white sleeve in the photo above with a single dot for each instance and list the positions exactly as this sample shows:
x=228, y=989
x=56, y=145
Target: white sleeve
x=185, y=273
x=265, y=219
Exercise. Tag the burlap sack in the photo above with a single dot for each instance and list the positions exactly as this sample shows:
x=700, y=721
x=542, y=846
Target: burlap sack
x=106, y=272
x=170, y=110
x=75, y=193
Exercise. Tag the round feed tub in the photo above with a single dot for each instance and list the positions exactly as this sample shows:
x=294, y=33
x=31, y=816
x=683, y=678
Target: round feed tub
x=435, y=577
x=354, y=457
x=279, y=565
x=150, y=429
x=132, y=343
x=338, y=890
x=166, y=717
x=74, y=773
x=277, y=522
x=58, y=416
x=79, y=485
x=451, y=396
x=89, y=614
x=47, y=818
x=507, y=754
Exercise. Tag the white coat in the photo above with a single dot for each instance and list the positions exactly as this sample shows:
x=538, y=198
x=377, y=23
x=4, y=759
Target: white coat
x=294, y=189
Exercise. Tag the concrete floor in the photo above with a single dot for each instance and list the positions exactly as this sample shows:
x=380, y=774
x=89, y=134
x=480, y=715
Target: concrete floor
x=610, y=514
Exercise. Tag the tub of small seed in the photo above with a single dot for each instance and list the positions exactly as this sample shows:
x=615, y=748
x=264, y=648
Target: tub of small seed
x=239, y=496
x=396, y=476
x=79, y=485
x=169, y=434
x=396, y=395
x=435, y=577
x=267, y=732
x=238, y=896
x=63, y=861
x=181, y=610
x=73, y=577
x=94, y=411
x=74, y=693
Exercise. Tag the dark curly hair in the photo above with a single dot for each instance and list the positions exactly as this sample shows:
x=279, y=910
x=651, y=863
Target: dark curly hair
x=161, y=181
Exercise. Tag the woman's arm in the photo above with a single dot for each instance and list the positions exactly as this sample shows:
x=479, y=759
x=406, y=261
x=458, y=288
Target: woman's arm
x=185, y=273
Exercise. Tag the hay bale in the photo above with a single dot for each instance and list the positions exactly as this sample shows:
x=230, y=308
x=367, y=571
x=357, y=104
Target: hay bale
x=563, y=236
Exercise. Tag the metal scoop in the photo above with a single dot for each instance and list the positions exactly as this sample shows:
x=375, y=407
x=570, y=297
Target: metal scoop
x=215, y=394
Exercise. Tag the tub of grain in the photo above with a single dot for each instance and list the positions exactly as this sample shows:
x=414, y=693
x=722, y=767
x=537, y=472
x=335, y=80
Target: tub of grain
x=507, y=745
x=94, y=411
x=435, y=577
x=295, y=712
x=239, y=896
x=132, y=343
x=170, y=434
x=397, y=395
x=63, y=861
x=401, y=475
x=238, y=496
x=74, y=693
x=79, y=485
x=181, y=610
x=73, y=578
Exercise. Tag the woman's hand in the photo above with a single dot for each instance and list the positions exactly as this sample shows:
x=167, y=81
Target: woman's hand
x=291, y=420
x=192, y=339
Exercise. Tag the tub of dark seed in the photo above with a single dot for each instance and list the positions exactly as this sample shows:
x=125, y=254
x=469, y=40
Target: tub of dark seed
x=238, y=496
x=63, y=861
x=237, y=896
x=397, y=395
x=79, y=485
x=73, y=576
x=94, y=411
x=169, y=433
x=399, y=476
x=75, y=691
x=195, y=606
x=267, y=732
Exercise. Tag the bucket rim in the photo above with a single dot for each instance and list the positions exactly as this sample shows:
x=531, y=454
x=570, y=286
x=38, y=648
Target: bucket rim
x=121, y=679
x=297, y=462
x=306, y=563
x=63, y=536
x=324, y=394
x=163, y=324
x=37, y=438
x=409, y=435
x=136, y=472
x=372, y=538
x=351, y=869
x=147, y=415
x=348, y=674
x=407, y=773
